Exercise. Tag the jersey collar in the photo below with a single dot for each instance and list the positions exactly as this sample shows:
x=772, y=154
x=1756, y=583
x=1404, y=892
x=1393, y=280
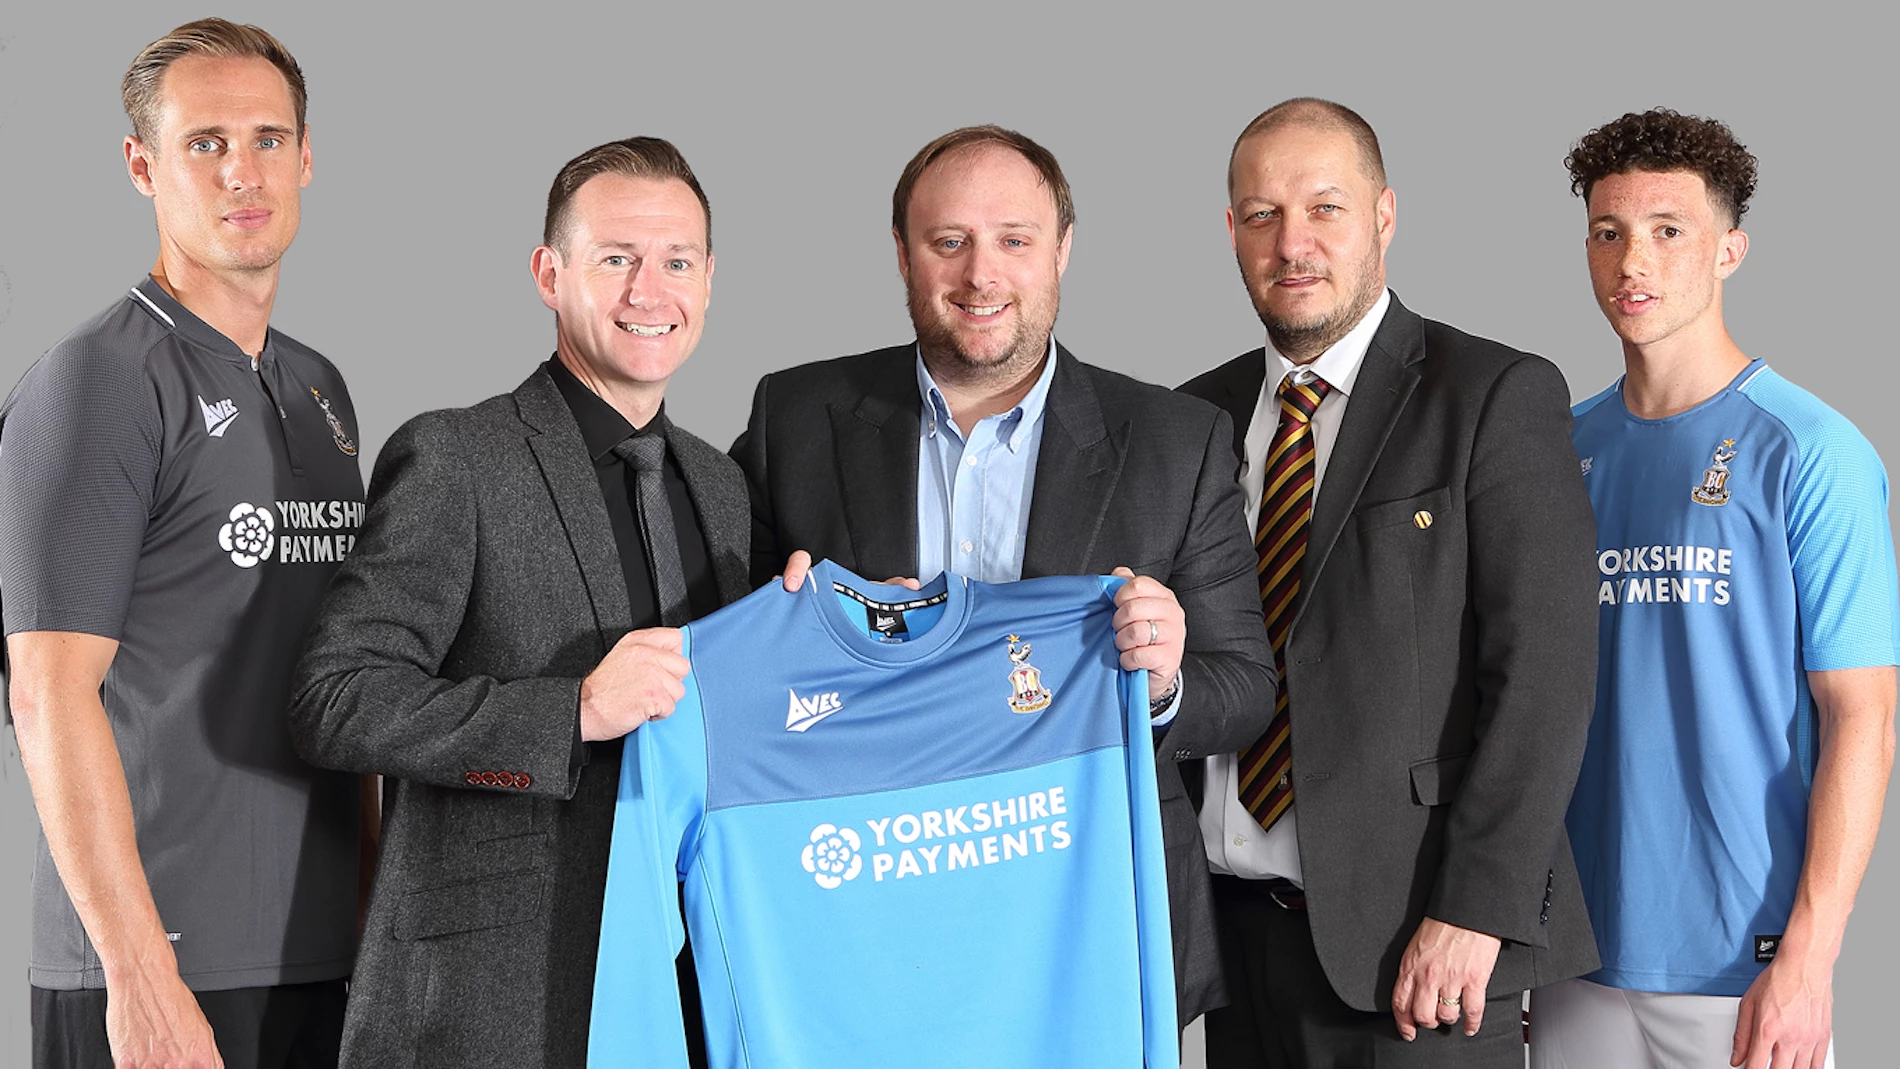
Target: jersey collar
x=162, y=306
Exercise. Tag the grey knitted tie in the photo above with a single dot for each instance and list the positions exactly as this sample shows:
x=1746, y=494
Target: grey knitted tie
x=646, y=453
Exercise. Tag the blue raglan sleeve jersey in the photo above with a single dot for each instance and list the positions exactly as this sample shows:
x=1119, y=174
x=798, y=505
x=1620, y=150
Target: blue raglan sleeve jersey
x=1840, y=542
x=1742, y=544
x=938, y=844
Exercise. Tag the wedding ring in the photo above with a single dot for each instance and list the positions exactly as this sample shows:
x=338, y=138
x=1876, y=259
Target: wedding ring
x=1154, y=633
x=1453, y=1001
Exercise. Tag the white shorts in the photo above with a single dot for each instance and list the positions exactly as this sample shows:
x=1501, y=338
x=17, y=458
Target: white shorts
x=1580, y=1025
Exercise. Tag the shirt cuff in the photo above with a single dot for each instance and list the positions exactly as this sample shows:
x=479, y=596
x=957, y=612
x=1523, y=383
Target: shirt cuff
x=1166, y=716
x=577, y=759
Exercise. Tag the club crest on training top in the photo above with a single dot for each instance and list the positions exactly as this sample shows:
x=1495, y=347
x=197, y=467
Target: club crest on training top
x=1027, y=694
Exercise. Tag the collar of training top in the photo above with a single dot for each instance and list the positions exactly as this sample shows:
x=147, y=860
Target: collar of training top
x=162, y=306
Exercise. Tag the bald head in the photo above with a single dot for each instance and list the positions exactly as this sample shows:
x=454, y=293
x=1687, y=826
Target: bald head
x=1312, y=113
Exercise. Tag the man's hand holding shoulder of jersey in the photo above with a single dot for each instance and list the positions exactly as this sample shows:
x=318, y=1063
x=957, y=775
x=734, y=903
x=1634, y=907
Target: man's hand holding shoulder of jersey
x=640, y=679
x=1150, y=631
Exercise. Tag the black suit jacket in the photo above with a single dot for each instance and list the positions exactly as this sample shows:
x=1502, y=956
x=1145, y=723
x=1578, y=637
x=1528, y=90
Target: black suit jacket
x=1128, y=474
x=1441, y=671
x=448, y=657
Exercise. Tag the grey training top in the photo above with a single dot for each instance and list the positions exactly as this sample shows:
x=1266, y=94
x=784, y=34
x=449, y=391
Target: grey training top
x=160, y=488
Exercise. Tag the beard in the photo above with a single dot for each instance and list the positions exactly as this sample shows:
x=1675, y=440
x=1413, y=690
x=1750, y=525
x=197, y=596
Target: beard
x=945, y=346
x=1303, y=337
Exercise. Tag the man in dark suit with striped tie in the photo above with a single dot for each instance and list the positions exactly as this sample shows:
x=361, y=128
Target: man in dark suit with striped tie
x=1391, y=871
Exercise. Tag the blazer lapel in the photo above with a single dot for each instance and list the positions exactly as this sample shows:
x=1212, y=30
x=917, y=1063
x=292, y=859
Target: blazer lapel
x=1076, y=472
x=876, y=440
x=719, y=497
x=555, y=440
x=1239, y=396
x=1386, y=380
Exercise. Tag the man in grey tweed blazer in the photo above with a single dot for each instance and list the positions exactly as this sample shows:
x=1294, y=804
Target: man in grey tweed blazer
x=492, y=637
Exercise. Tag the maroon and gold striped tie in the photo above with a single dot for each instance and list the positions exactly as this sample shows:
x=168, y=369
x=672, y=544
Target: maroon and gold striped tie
x=1279, y=537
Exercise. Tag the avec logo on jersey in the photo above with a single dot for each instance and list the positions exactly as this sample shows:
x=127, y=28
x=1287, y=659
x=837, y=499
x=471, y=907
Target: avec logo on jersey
x=804, y=712
x=218, y=416
x=300, y=532
x=907, y=844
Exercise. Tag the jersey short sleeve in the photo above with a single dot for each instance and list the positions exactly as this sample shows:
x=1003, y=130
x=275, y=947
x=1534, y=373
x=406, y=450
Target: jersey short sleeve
x=80, y=444
x=1840, y=542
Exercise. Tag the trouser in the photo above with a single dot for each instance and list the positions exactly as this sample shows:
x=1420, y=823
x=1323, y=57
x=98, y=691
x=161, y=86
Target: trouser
x=1580, y=1025
x=293, y=1026
x=1285, y=1015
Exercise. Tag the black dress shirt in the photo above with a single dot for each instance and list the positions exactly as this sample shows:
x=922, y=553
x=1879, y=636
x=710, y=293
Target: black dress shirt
x=602, y=428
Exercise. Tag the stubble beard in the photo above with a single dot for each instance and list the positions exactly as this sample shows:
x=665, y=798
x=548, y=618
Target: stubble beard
x=244, y=253
x=1304, y=339
x=950, y=363
x=253, y=262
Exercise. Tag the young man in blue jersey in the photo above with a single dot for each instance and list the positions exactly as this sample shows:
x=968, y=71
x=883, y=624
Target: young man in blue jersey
x=1743, y=735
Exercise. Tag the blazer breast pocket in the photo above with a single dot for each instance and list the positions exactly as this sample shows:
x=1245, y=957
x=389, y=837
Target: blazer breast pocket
x=1419, y=512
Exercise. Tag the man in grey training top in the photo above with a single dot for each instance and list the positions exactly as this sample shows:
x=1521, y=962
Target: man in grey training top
x=177, y=484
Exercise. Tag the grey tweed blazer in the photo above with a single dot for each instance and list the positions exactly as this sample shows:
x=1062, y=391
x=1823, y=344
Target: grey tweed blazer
x=448, y=657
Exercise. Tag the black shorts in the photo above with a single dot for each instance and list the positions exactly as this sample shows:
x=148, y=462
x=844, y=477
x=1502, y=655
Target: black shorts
x=295, y=1026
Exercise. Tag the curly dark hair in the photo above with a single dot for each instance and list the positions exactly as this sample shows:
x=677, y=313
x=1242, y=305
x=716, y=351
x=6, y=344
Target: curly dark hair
x=1663, y=140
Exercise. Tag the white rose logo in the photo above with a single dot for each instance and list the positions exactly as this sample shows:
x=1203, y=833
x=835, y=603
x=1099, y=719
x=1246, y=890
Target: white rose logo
x=248, y=536
x=832, y=856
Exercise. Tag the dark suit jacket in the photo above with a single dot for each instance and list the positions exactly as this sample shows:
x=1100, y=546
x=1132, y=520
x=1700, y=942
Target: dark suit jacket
x=1440, y=677
x=1128, y=474
x=449, y=657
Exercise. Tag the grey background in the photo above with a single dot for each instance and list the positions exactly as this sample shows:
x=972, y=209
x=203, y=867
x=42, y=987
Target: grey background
x=436, y=136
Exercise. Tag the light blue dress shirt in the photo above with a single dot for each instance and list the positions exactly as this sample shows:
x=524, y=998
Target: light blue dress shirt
x=974, y=490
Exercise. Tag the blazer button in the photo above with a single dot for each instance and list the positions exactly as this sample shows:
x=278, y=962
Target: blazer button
x=522, y=780
x=472, y=778
x=1180, y=755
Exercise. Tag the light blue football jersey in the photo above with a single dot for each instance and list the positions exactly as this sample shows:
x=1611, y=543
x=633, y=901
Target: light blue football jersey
x=914, y=828
x=1741, y=544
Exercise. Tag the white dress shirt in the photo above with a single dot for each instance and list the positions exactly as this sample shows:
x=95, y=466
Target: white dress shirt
x=1235, y=843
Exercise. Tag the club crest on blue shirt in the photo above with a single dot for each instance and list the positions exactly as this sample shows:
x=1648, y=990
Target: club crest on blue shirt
x=1027, y=694
x=1713, y=489
x=343, y=440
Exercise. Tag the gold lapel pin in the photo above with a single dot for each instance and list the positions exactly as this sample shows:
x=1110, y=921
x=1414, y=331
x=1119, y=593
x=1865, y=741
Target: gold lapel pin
x=1421, y=519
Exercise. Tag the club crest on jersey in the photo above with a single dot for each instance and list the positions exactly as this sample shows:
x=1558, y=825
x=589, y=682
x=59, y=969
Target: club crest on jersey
x=342, y=439
x=832, y=856
x=1713, y=489
x=1027, y=694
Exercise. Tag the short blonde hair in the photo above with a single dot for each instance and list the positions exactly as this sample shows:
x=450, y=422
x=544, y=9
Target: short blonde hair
x=205, y=37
